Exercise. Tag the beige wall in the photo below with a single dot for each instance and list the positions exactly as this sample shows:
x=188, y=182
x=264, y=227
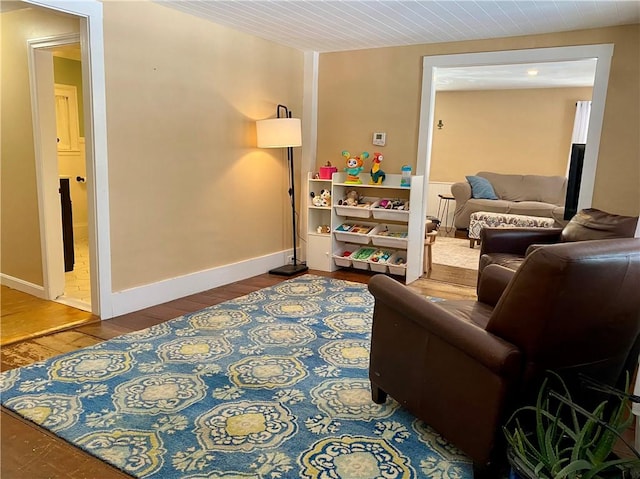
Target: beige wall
x=188, y=189
x=508, y=131
x=20, y=239
x=379, y=90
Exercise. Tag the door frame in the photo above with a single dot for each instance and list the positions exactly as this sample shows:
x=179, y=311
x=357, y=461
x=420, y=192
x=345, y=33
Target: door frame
x=92, y=47
x=602, y=52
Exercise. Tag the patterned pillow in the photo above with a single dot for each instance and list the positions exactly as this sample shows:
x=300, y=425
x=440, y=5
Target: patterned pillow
x=481, y=188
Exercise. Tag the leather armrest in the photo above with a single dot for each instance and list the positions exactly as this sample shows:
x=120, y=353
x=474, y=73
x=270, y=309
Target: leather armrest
x=494, y=353
x=493, y=281
x=515, y=240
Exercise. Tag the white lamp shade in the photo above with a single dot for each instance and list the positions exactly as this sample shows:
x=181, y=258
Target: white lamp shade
x=279, y=133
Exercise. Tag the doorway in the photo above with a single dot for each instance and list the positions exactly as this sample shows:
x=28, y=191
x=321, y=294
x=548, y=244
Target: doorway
x=601, y=53
x=62, y=166
x=91, y=38
x=67, y=67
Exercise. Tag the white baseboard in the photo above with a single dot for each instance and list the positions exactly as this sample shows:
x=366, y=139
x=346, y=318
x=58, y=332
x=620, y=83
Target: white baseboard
x=141, y=297
x=22, y=285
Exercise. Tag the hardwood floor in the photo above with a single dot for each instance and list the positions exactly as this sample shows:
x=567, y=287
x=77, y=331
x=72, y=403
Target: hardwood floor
x=24, y=316
x=28, y=451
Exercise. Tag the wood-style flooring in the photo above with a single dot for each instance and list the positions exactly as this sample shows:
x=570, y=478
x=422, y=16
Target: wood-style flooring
x=28, y=451
x=23, y=316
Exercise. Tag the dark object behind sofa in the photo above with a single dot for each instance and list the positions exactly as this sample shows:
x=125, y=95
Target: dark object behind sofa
x=463, y=366
x=573, y=180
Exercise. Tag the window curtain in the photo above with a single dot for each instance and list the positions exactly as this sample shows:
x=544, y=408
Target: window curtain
x=580, y=126
x=581, y=122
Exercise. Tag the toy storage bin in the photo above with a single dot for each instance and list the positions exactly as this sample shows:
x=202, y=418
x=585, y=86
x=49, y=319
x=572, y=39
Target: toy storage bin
x=360, y=258
x=399, y=269
x=389, y=215
x=390, y=236
x=362, y=211
x=381, y=265
x=359, y=232
x=341, y=260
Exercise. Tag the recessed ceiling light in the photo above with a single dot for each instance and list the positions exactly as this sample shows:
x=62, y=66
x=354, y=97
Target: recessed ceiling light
x=532, y=72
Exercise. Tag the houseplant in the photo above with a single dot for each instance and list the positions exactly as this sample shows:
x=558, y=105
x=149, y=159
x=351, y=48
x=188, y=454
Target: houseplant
x=559, y=439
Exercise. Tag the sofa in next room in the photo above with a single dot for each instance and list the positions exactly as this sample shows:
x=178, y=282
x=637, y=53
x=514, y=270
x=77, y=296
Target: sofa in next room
x=531, y=195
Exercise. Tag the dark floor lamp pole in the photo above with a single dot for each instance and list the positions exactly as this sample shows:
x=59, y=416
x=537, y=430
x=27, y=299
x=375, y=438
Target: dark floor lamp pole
x=268, y=131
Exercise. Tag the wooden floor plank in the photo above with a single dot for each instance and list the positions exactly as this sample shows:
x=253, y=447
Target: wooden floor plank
x=23, y=316
x=36, y=454
x=104, y=330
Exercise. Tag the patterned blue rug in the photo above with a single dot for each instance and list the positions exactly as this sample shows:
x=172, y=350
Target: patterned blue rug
x=270, y=385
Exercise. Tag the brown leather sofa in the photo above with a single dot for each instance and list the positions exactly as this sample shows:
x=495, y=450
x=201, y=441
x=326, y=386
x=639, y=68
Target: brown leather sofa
x=463, y=366
x=509, y=246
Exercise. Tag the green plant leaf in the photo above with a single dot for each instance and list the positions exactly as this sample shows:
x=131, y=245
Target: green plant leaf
x=573, y=467
x=611, y=466
x=574, y=449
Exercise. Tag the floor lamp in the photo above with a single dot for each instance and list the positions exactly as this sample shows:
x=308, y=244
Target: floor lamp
x=284, y=132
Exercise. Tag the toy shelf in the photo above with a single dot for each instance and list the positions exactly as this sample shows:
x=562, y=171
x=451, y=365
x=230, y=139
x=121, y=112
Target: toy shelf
x=388, y=228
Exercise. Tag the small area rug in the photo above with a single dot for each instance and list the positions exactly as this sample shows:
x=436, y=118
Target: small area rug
x=455, y=252
x=270, y=385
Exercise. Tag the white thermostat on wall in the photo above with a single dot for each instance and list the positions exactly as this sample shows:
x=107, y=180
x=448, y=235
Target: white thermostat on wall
x=379, y=139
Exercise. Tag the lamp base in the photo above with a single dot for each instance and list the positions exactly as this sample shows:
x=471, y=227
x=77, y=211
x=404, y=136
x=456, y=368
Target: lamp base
x=289, y=269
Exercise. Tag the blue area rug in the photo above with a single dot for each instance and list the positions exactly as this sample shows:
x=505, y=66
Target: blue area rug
x=270, y=385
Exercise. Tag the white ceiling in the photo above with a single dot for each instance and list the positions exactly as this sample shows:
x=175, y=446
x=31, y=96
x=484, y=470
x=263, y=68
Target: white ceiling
x=525, y=75
x=333, y=25
x=339, y=25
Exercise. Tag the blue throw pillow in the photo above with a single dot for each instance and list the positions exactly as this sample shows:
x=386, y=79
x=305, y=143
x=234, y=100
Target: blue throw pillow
x=481, y=188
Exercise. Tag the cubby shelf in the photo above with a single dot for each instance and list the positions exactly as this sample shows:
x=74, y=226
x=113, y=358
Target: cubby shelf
x=325, y=252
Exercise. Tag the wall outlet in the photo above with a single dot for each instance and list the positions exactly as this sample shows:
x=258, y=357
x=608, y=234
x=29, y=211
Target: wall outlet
x=290, y=259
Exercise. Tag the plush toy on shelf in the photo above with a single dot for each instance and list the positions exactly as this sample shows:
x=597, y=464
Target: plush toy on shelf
x=323, y=229
x=354, y=166
x=352, y=198
x=377, y=175
x=323, y=199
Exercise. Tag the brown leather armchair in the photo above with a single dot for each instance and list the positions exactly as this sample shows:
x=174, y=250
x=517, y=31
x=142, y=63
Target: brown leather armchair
x=508, y=246
x=463, y=366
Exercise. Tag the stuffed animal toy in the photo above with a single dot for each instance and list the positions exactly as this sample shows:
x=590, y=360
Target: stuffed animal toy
x=377, y=175
x=315, y=199
x=325, y=196
x=322, y=199
x=354, y=166
x=323, y=229
x=351, y=199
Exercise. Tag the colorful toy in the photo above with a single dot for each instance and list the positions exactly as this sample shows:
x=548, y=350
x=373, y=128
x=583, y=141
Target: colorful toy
x=351, y=199
x=327, y=171
x=325, y=195
x=380, y=256
x=354, y=166
x=393, y=204
x=377, y=175
x=405, y=180
x=323, y=199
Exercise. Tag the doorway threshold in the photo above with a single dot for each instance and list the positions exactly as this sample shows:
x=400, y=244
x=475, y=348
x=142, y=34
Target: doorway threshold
x=74, y=303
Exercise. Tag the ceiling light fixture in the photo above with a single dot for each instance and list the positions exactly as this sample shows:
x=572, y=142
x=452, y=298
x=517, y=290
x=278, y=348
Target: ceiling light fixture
x=532, y=72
